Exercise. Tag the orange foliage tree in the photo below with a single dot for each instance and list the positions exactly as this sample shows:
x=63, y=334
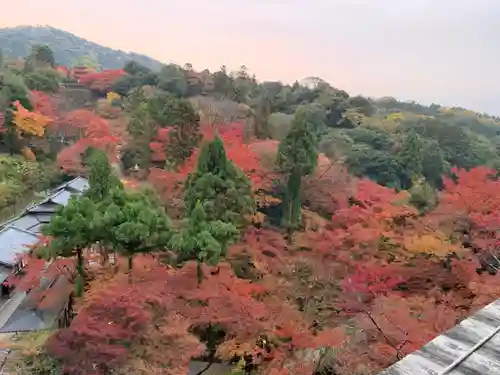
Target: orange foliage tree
x=29, y=123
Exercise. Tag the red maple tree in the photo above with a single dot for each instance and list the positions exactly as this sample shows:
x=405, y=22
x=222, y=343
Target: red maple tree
x=90, y=130
x=252, y=322
x=102, y=81
x=474, y=195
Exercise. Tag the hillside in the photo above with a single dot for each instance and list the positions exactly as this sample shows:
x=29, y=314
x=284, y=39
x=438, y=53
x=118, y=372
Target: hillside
x=283, y=229
x=16, y=43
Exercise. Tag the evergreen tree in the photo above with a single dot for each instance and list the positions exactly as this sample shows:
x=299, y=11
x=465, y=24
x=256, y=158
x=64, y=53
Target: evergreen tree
x=102, y=179
x=72, y=232
x=261, y=115
x=433, y=163
x=180, y=115
x=224, y=190
x=410, y=155
x=142, y=128
x=132, y=223
x=202, y=240
x=297, y=157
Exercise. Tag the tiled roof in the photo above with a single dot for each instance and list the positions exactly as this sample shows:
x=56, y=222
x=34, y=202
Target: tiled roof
x=14, y=241
x=31, y=315
x=471, y=347
x=36, y=215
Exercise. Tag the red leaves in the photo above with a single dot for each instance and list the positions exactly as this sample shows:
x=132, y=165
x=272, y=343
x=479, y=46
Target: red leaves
x=372, y=281
x=167, y=183
x=119, y=314
x=366, y=284
x=102, y=81
x=98, y=339
x=475, y=194
x=44, y=104
x=96, y=133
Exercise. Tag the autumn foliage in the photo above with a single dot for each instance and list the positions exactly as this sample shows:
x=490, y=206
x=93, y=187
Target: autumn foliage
x=365, y=276
x=30, y=123
x=101, y=81
x=90, y=130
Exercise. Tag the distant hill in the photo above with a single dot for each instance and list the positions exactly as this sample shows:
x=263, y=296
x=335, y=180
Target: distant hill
x=16, y=44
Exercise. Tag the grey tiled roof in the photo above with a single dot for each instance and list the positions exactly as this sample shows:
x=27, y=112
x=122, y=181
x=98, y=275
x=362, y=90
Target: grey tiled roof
x=35, y=215
x=471, y=347
x=14, y=241
x=78, y=184
x=33, y=316
x=61, y=197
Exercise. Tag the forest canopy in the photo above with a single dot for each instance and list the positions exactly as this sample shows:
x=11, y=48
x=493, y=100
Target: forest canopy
x=273, y=228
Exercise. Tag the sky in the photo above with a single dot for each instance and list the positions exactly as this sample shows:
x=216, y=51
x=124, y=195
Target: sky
x=441, y=51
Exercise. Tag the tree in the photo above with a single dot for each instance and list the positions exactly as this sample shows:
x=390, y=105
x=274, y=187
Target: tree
x=46, y=80
x=102, y=81
x=410, y=155
x=224, y=191
x=202, y=240
x=433, y=165
x=13, y=89
x=142, y=128
x=173, y=80
x=297, y=157
x=261, y=115
x=181, y=117
x=132, y=223
x=30, y=123
x=102, y=179
x=42, y=54
x=134, y=68
x=72, y=232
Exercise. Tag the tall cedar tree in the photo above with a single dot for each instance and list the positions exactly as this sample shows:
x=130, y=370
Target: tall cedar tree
x=72, y=232
x=202, y=240
x=224, y=191
x=132, y=223
x=410, y=155
x=179, y=114
x=297, y=157
x=142, y=128
x=102, y=179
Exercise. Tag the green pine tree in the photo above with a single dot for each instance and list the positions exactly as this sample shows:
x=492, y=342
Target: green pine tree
x=102, y=179
x=202, y=240
x=72, y=232
x=297, y=157
x=224, y=191
x=132, y=223
x=180, y=115
x=410, y=155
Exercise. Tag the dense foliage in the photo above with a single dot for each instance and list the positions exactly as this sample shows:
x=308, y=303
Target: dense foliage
x=195, y=180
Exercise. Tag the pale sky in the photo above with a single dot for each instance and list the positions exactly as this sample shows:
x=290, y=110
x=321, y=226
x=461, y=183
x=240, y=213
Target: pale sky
x=443, y=51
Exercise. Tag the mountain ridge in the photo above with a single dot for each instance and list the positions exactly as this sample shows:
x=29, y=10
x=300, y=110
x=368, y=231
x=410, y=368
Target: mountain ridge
x=16, y=43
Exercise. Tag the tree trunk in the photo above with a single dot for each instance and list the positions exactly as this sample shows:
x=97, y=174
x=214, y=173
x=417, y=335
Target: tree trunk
x=291, y=205
x=80, y=269
x=199, y=272
x=130, y=267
